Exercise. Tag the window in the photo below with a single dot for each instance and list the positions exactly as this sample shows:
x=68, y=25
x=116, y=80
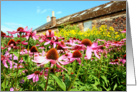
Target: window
x=87, y=25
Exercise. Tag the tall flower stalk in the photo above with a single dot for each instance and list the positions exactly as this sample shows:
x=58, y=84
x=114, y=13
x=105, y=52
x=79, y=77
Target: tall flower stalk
x=72, y=83
x=47, y=78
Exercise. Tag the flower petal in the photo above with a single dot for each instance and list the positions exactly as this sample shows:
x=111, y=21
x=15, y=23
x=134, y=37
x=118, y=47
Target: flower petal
x=88, y=52
x=30, y=76
x=37, y=77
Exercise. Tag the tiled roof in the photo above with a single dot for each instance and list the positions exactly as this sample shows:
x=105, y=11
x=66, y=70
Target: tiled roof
x=105, y=9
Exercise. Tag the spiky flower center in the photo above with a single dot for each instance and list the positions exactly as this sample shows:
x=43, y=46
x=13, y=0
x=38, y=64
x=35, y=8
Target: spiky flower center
x=59, y=47
x=52, y=54
x=33, y=49
x=11, y=42
x=37, y=72
x=76, y=54
x=86, y=42
x=49, y=32
x=20, y=29
x=2, y=34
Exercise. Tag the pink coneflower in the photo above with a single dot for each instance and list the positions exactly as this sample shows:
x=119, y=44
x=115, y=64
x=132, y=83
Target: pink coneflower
x=23, y=51
x=86, y=42
x=34, y=76
x=79, y=47
x=31, y=34
x=24, y=43
x=11, y=43
x=5, y=59
x=33, y=49
x=114, y=62
x=61, y=45
x=51, y=42
x=7, y=36
x=18, y=66
x=13, y=32
x=3, y=34
x=50, y=33
x=51, y=56
x=70, y=57
x=91, y=47
x=123, y=60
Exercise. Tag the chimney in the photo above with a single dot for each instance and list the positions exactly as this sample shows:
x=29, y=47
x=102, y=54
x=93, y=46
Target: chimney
x=53, y=19
x=48, y=19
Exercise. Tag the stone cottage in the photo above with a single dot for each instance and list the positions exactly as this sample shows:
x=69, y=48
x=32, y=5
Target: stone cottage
x=111, y=14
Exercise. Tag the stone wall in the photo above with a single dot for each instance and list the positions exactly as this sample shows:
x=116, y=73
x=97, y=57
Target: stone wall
x=117, y=21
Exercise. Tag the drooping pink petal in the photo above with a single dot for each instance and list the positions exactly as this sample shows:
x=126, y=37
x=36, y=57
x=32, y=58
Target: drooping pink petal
x=27, y=37
x=30, y=76
x=34, y=37
x=46, y=43
x=59, y=66
x=95, y=52
x=63, y=63
x=5, y=64
x=88, y=52
x=54, y=45
x=37, y=78
x=79, y=60
x=34, y=78
x=26, y=28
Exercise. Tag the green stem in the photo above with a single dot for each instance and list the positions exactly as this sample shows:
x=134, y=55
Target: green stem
x=47, y=78
x=100, y=64
x=74, y=66
x=4, y=80
x=72, y=83
x=86, y=72
x=18, y=61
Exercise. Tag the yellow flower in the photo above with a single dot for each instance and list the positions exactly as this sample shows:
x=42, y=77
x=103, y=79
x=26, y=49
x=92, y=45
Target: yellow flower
x=116, y=32
x=111, y=28
x=117, y=36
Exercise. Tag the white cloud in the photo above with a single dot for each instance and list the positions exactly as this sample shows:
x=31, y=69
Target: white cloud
x=5, y=29
x=10, y=26
x=44, y=11
x=13, y=25
x=59, y=12
x=41, y=11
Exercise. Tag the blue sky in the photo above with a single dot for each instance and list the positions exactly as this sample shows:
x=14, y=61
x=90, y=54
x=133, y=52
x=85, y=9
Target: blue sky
x=33, y=14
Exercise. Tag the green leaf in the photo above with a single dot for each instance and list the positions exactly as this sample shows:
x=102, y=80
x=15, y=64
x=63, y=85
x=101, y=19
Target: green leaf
x=74, y=89
x=16, y=54
x=105, y=79
x=60, y=82
x=115, y=86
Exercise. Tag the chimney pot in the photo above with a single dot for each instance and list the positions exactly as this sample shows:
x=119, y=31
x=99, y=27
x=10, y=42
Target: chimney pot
x=53, y=19
x=48, y=19
x=53, y=15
